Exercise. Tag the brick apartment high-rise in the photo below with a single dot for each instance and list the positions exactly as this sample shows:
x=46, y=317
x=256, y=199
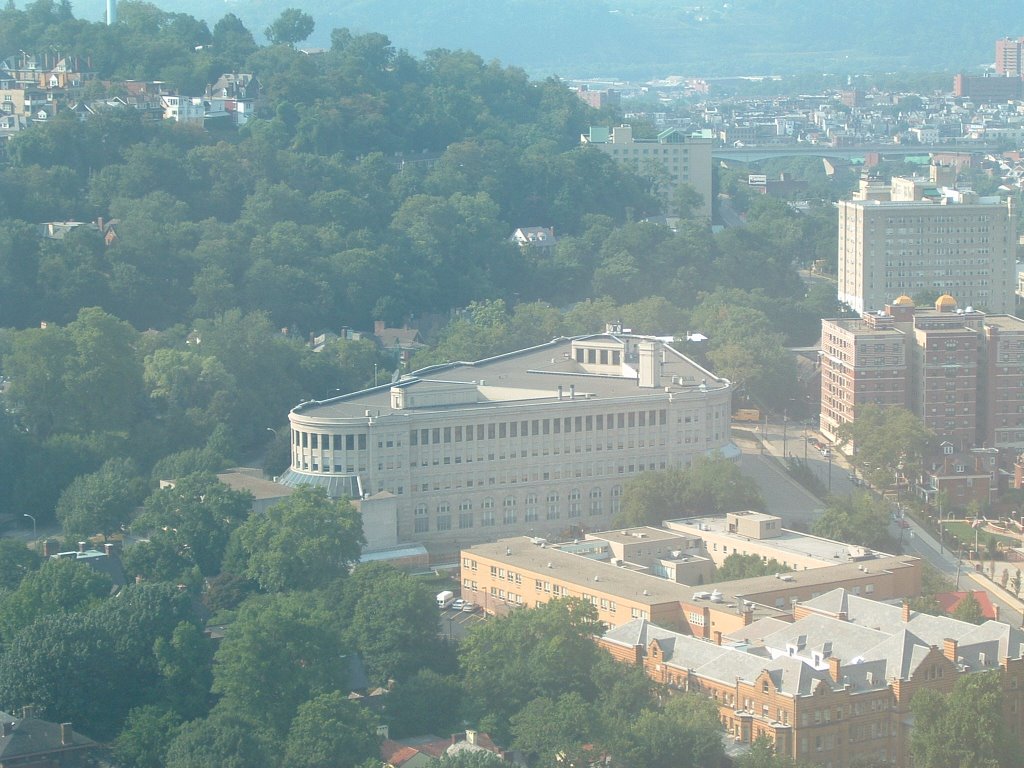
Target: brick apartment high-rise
x=960, y=371
x=1010, y=56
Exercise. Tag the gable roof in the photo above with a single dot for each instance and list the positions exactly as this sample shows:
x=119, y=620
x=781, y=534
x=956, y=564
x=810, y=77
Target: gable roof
x=24, y=737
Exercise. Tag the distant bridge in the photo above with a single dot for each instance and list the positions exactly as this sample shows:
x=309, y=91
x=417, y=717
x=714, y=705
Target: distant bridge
x=887, y=151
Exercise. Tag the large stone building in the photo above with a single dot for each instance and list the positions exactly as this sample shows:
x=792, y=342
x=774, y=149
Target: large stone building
x=916, y=236
x=539, y=440
x=959, y=370
x=671, y=160
x=834, y=687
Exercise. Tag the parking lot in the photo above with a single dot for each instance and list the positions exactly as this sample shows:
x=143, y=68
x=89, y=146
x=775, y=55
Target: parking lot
x=453, y=624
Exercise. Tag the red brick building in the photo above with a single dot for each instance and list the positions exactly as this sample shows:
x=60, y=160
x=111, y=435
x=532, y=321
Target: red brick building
x=833, y=687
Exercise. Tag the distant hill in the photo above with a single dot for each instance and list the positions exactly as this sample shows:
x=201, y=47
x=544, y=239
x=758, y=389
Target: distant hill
x=654, y=38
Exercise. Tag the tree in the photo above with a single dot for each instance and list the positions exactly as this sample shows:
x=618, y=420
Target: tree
x=59, y=586
x=544, y=652
x=1015, y=582
x=393, y=621
x=100, y=502
x=886, y=441
x=855, y=519
x=331, y=732
x=185, y=669
x=762, y=754
x=969, y=610
x=147, y=733
x=16, y=561
x=427, y=702
x=964, y=728
x=546, y=727
x=92, y=667
x=302, y=543
x=225, y=739
x=281, y=651
x=198, y=512
x=739, y=566
x=708, y=485
x=291, y=27
x=685, y=732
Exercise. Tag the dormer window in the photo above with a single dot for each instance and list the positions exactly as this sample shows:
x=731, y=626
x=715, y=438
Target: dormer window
x=948, y=450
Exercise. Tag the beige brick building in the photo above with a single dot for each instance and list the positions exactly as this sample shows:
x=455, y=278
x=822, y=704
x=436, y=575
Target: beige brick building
x=671, y=160
x=915, y=236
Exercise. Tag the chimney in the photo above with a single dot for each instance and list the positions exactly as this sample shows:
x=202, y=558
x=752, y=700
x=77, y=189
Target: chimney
x=572, y=391
x=647, y=367
x=995, y=608
x=66, y=734
x=906, y=611
x=559, y=391
x=108, y=549
x=8, y=728
x=27, y=712
x=378, y=327
x=81, y=546
x=471, y=737
x=718, y=637
x=47, y=548
x=949, y=649
x=834, y=668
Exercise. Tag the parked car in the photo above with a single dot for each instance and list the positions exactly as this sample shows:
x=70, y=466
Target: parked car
x=459, y=605
x=469, y=607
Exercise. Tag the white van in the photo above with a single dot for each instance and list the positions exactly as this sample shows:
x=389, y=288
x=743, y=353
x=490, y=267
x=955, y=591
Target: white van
x=446, y=598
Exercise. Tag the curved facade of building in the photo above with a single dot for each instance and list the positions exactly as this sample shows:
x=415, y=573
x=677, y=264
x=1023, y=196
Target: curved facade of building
x=538, y=441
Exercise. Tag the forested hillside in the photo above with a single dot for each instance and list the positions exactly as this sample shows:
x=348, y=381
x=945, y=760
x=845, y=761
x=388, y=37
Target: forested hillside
x=373, y=185
x=654, y=38
x=168, y=334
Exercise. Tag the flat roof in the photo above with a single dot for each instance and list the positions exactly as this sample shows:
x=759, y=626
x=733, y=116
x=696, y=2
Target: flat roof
x=827, y=575
x=828, y=552
x=532, y=374
x=644, y=533
x=579, y=570
x=259, y=487
x=1005, y=322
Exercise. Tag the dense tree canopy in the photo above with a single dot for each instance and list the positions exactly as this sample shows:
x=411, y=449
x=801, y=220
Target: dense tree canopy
x=302, y=542
x=887, y=440
x=859, y=518
x=707, y=486
x=963, y=728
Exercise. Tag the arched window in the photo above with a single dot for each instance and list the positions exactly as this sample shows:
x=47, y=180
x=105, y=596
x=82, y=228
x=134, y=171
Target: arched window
x=421, y=520
x=553, y=510
x=509, y=506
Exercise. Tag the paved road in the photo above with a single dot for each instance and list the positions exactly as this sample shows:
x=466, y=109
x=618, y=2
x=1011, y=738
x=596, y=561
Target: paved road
x=791, y=502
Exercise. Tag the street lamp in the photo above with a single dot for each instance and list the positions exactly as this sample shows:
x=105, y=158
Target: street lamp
x=785, y=424
x=30, y=517
x=271, y=429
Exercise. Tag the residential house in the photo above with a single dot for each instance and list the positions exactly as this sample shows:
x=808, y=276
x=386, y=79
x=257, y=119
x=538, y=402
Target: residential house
x=28, y=742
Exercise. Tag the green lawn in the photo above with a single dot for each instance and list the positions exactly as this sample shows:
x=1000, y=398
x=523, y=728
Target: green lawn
x=964, y=532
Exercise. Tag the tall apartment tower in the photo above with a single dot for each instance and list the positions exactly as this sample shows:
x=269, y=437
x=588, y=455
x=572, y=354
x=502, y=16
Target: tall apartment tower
x=959, y=370
x=915, y=236
x=672, y=159
x=1010, y=56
